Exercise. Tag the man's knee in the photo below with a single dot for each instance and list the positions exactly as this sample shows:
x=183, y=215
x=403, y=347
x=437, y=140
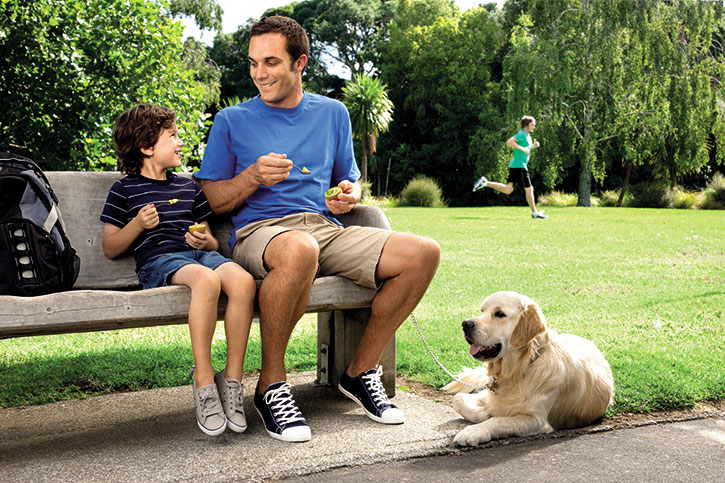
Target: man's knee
x=508, y=189
x=292, y=249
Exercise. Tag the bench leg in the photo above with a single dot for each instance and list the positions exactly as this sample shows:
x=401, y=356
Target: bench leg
x=338, y=335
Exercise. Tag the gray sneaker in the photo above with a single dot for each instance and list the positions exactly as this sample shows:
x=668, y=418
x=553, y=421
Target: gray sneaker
x=539, y=214
x=480, y=184
x=231, y=394
x=209, y=412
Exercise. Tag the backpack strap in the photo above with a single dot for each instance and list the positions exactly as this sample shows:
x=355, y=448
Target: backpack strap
x=51, y=219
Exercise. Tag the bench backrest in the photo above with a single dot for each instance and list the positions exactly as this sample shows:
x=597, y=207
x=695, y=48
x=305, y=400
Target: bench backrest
x=81, y=196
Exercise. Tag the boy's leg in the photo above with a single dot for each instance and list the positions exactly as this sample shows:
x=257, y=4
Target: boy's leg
x=205, y=286
x=240, y=289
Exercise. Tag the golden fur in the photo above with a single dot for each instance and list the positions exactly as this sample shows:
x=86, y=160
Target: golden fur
x=544, y=381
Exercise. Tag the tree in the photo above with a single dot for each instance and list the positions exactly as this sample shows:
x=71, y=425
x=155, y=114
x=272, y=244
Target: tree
x=370, y=113
x=67, y=69
x=631, y=78
x=441, y=77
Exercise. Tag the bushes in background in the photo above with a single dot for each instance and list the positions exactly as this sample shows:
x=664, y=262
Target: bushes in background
x=421, y=191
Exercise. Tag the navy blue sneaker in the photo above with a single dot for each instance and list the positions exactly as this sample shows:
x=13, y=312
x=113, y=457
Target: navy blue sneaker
x=367, y=390
x=281, y=417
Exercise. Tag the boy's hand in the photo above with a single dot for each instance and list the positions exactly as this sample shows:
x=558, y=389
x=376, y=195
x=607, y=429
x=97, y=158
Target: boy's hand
x=147, y=217
x=201, y=241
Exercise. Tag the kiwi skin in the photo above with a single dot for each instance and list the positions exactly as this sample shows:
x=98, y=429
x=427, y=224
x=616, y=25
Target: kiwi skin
x=201, y=228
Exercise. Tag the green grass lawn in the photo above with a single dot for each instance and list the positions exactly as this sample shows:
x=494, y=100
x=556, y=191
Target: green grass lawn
x=646, y=285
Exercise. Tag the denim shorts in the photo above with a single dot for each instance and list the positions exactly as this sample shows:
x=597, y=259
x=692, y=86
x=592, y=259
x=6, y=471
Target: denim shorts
x=158, y=272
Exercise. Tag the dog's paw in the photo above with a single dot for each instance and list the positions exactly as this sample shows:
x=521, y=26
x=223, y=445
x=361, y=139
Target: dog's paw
x=472, y=436
x=467, y=406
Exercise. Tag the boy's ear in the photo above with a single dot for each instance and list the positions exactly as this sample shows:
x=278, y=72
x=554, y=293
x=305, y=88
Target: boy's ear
x=148, y=152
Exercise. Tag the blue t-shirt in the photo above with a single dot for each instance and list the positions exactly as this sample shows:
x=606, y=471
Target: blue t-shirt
x=315, y=134
x=521, y=159
x=128, y=195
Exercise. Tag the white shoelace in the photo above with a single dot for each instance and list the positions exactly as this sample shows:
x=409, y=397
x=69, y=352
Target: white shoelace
x=375, y=386
x=282, y=405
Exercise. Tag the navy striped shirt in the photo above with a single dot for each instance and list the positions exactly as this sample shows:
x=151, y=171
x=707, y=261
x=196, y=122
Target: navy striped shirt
x=128, y=195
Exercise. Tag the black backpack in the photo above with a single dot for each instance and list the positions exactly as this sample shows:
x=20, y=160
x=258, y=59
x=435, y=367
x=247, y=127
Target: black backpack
x=35, y=255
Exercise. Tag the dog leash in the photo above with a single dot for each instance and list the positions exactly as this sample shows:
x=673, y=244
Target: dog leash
x=473, y=386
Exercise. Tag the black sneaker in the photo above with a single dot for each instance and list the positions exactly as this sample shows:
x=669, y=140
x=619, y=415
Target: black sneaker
x=367, y=390
x=281, y=417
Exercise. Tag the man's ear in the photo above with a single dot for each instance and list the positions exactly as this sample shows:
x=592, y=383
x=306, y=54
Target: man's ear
x=300, y=63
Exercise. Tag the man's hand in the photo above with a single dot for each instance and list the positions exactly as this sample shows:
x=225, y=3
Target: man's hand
x=270, y=169
x=536, y=143
x=346, y=200
x=147, y=217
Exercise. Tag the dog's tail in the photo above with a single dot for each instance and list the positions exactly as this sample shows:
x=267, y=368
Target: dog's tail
x=475, y=377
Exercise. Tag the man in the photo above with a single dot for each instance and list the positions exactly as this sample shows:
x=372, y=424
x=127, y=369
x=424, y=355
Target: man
x=522, y=145
x=284, y=231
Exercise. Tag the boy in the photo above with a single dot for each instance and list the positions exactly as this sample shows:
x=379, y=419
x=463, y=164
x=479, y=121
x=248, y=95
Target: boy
x=522, y=145
x=150, y=211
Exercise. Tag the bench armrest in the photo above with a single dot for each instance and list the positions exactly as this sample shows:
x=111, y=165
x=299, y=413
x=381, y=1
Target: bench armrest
x=365, y=215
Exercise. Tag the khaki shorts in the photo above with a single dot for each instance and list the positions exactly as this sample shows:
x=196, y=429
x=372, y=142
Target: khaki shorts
x=352, y=252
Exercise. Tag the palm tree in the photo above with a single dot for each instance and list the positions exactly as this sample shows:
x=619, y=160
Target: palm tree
x=370, y=113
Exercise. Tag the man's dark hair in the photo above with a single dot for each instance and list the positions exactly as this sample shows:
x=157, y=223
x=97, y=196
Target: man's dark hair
x=526, y=120
x=139, y=127
x=297, y=41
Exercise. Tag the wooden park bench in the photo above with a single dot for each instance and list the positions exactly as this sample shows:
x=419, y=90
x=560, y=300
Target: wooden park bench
x=107, y=294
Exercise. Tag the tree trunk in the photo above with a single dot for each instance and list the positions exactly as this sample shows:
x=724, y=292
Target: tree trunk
x=364, y=163
x=625, y=184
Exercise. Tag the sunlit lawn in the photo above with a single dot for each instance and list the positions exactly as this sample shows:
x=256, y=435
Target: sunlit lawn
x=647, y=286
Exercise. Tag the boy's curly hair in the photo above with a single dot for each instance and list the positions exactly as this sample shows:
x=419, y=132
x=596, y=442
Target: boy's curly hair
x=139, y=127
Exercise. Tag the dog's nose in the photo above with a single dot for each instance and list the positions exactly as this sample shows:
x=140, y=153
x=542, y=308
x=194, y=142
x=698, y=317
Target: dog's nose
x=468, y=325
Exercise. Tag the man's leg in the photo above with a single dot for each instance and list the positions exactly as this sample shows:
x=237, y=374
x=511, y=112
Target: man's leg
x=291, y=261
x=530, y=198
x=406, y=267
x=506, y=189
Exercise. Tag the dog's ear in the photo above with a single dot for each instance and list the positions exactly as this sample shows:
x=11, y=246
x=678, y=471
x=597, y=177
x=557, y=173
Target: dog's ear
x=531, y=324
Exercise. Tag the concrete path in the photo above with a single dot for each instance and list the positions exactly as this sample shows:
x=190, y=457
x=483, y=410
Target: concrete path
x=152, y=436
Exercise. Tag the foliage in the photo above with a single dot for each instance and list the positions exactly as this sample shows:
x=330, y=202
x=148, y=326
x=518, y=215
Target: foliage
x=676, y=197
x=557, y=198
x=206, y=13
x=421, y=191
x=609, y=198
x=715, y=193
x=67, y=69
x=348, y=31
x=642, y=73
x=370, y=113
x=440, y=67
x=649, y=194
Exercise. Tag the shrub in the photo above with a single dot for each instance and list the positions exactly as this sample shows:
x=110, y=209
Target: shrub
x=608, y=198
x=557, y=198
x=715, y=193
x=650, y=194
x=421, y=191
x=677, y=198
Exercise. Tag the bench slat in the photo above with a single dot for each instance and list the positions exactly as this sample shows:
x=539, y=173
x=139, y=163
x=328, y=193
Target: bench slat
x=87, y=310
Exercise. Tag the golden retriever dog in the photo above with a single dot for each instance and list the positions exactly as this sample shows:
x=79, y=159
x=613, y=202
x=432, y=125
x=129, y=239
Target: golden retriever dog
x=540, y=381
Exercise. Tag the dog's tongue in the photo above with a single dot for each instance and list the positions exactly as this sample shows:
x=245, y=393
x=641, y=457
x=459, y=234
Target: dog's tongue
x=475, y=348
